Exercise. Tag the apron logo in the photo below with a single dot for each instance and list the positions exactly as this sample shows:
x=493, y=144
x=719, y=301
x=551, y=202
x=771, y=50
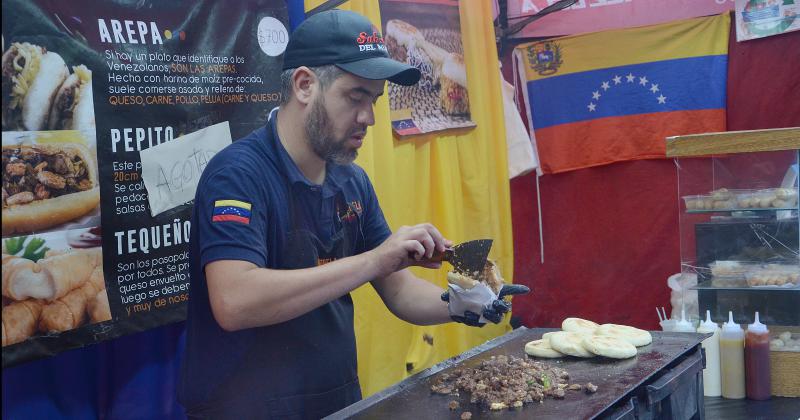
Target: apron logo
x=323, y=261
x=231, y=211
x=353, y=210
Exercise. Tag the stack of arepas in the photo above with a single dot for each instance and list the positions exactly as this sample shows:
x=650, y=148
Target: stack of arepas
x=583, y=338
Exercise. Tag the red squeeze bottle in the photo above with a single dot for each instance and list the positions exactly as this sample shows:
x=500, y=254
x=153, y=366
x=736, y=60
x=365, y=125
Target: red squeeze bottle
x=756, y=361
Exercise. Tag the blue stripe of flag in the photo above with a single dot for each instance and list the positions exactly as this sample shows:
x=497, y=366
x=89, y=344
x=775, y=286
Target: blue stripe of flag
x=693, y=83
x=238, y=211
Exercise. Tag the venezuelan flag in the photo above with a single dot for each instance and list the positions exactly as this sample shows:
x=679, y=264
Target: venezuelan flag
x=611, y=96
x=231, y=211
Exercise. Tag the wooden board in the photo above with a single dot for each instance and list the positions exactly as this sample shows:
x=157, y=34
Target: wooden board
x=734, y=142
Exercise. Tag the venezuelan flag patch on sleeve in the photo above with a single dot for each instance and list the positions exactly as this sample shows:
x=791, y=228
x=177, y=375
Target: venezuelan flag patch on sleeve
x=231, y=211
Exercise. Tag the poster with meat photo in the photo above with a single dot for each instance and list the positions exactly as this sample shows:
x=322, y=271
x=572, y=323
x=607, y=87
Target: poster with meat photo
x=427, y=35
x=49, y=175
x=50, y=181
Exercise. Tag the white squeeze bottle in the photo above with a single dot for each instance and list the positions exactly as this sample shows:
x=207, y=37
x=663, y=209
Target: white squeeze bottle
x=711, y=374
x=731, y=359
x=683, y=325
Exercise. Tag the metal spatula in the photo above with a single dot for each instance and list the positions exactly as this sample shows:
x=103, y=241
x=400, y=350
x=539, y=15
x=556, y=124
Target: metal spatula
x=467, y=258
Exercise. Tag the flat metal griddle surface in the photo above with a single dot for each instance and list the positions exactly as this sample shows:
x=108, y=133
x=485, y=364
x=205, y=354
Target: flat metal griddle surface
x=412, y=398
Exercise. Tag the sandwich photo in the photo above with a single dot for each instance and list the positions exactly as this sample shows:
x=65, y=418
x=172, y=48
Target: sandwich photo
x=427, y=36
x=407, y=44
x=73, y=106
x=453, y=86
x=45, y=185
x=31, y=78
x=400, y=36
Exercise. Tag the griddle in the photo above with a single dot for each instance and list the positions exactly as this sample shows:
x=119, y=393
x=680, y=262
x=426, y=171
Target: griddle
x=615, y=379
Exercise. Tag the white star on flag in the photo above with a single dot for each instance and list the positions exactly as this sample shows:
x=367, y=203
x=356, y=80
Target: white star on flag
x=630, y=77
x=662, y=99
x=605, y=86
x=596, y=95
x=617, y=80
x=591, y=107
x=643, y=81
x=654, y=88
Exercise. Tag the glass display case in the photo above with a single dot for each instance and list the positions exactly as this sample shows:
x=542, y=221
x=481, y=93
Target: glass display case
x=739, y=229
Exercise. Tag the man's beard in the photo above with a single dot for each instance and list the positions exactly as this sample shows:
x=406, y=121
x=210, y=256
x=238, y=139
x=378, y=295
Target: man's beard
x=319, y=131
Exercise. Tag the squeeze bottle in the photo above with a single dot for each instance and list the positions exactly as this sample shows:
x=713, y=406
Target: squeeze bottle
x=683, y=325
x=756, y=361
x=731, y=354
x=711, y=374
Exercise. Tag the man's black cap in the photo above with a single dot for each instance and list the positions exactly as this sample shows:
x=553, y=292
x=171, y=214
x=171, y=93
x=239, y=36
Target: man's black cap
x=351, y=42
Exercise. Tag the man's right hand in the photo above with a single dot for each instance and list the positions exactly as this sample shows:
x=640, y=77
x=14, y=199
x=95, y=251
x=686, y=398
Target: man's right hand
x=409, y=245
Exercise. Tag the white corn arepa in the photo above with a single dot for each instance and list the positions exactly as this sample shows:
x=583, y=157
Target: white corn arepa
x=609, y=346
x=570, y=343
x=632, y=335
x=579, y=325
x=546, y=336
x=42, y=91
x=541, y=348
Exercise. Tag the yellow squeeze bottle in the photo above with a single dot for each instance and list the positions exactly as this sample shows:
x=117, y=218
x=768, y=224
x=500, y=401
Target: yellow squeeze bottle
x=731, y=352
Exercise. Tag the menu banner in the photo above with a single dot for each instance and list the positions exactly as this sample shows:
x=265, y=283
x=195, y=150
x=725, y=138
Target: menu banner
x=88, y=86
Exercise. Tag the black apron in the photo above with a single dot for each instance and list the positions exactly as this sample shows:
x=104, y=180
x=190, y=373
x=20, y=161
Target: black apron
x=304, y=368
x=328, y=328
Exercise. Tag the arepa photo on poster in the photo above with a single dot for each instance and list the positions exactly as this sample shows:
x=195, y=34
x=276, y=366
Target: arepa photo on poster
x=43, y=92
x=427, y=35
x=49, y=182
x=52, y=283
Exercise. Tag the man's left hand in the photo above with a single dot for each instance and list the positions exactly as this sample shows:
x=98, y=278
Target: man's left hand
x=479, y=304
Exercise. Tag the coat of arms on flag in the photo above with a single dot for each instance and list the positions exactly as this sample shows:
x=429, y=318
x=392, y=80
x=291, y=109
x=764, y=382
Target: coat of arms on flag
x=545, y=57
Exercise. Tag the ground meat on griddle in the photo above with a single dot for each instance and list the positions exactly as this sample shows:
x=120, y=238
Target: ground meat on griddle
x=453, y=405
x=466, y=415
x=505, y=381
x=591, y=388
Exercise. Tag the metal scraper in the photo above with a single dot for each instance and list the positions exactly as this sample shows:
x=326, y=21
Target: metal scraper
x=467, y=258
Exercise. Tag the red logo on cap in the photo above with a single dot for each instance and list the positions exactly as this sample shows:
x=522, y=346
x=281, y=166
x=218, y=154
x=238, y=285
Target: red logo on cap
x=364, y=38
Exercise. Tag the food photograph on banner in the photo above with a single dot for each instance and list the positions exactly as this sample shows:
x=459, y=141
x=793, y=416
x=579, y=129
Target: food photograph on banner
x=52, y=257
x=53, y=283
x=427, y=35
x=50, y=181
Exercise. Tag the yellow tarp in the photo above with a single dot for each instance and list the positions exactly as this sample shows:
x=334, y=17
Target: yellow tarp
x=457, y=180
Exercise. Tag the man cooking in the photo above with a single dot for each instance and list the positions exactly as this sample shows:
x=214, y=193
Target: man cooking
x=285, y=226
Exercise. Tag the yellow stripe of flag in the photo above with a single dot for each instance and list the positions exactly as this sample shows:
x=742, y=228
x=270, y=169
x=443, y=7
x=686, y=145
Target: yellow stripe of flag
x=234, y=203
x=680, y=39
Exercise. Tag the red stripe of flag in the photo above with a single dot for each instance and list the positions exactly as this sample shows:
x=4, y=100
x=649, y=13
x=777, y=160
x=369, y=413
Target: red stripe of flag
x=584, y=144
x=230, y=218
